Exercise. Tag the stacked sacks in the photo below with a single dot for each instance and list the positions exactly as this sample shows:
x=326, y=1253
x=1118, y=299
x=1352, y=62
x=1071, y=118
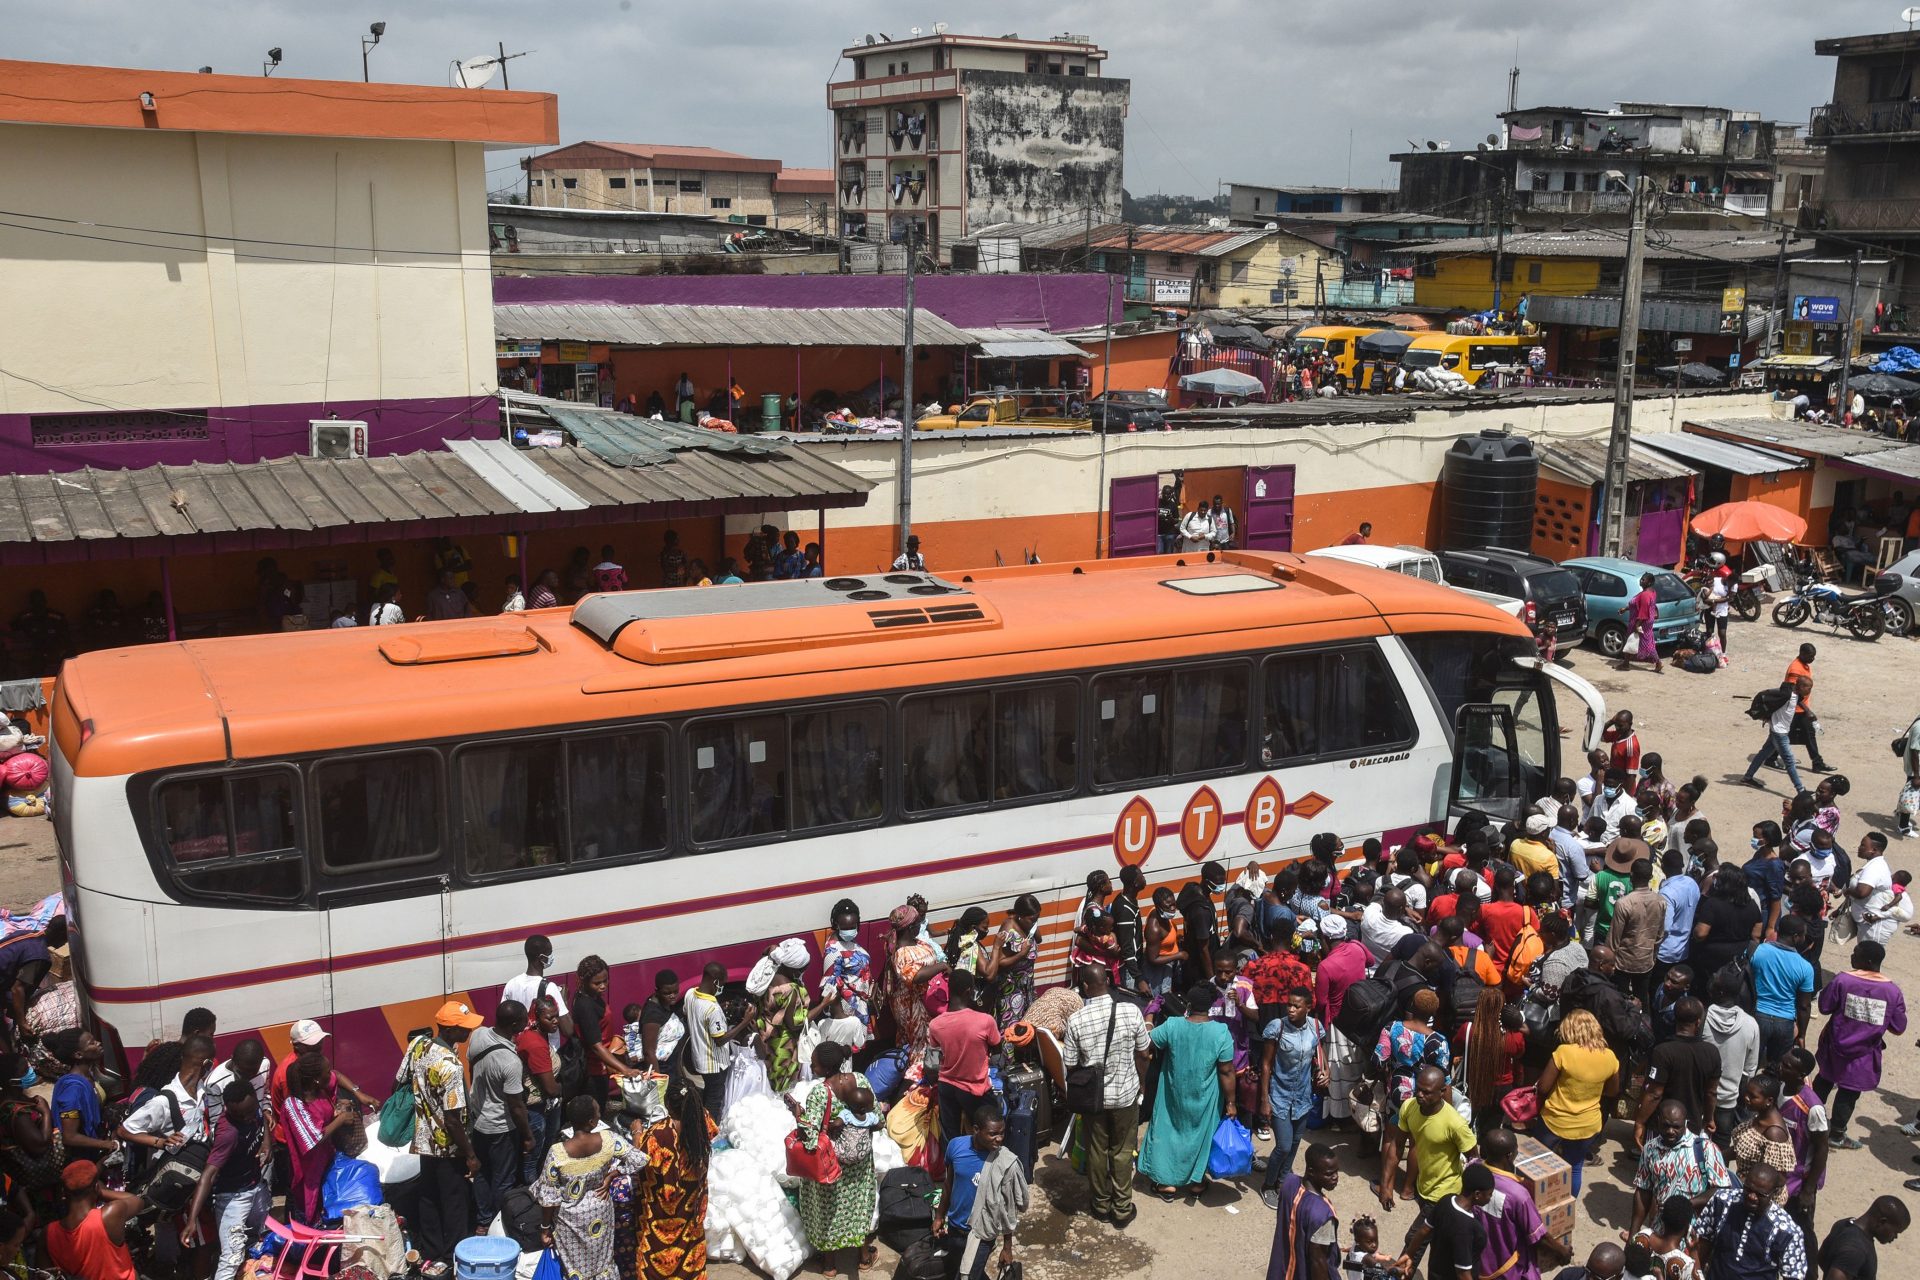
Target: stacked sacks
x=23, y=772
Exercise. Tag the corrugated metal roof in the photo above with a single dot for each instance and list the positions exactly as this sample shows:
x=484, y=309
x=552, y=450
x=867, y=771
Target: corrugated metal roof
x=639, y=325
x=1805, y=438
x=1708, y=452
x=1805, y=364
x=1677, y=245
x=1202, y=242
x=675, y=466
x=1904, y=463
x=1023, y=344
x=1586, y=461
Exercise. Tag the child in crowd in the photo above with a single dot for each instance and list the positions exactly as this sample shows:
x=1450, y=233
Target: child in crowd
x=1364, y=1261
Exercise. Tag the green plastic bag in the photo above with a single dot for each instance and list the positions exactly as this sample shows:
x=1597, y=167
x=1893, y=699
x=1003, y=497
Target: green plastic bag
x=396, y=1113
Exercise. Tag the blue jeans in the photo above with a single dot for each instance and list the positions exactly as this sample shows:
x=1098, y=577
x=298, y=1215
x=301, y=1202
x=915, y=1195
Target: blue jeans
x=238, y=1216
x=1777, y=745
x=1169, y=543
x=1572, y=1150
x=1287, y=1133
x=1776, y=1036
x=530, y=1166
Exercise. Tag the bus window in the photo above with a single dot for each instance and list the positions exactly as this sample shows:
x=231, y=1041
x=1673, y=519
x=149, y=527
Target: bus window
x=378, y=810
x=1129, y=727
x=510, y=805
x=739, y=783
x=617, y=794
x=1209, y=719
x=837, y=778
x=1463, y=667
x=1340, y=702
x=947, y=750
x=234, y=836
x=1036, y=741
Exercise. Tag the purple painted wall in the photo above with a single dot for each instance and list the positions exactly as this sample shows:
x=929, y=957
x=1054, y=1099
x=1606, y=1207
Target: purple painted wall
x=1061, y=302
x=252, y=433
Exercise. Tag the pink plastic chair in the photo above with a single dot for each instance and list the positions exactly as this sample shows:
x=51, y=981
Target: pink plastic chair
x=309, y=1244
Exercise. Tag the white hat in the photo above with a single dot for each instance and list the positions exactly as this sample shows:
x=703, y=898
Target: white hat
x=1538, y=824
x=307, y=1033
x=1333, y=927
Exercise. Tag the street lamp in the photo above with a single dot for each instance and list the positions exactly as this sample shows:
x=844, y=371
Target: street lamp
x=273, y=60
x=1499, y=175
x=377, y=30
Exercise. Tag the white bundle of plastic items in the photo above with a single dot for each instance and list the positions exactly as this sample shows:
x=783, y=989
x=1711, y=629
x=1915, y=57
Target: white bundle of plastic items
x=748, y=1213
x=759, y=1126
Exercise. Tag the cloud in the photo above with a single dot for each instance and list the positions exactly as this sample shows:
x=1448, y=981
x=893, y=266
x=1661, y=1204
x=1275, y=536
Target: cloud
x=1223, y=90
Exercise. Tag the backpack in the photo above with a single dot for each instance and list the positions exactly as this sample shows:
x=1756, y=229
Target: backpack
x=142, y=1161
x=1766, y=702
x=1468, y=986
x=1628, y=1030
x=521, y=1218
x=397, y=1112
x=176, y=1176
x=1369, y=1006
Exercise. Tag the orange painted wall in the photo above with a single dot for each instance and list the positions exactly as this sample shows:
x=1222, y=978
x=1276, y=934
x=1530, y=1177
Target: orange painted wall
x=1140, y=361
x=1790, y=490
x=1562, y=513
x=1408, y=513
x=952, y=546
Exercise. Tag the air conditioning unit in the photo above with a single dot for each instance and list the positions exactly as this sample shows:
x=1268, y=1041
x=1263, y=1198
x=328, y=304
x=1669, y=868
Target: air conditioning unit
x=336, y=438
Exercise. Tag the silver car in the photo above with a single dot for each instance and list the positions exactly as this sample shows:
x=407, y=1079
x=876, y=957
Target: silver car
x=1898, y=587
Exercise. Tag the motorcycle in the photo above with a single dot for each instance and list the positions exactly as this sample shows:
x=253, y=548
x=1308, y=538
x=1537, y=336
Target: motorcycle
x=1744, y=599
x=1861, y=615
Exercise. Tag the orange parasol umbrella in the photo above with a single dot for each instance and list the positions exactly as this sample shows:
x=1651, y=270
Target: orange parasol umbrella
x=1745, y=521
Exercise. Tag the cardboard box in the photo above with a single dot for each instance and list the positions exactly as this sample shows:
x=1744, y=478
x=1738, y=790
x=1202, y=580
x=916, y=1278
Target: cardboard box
x=1559, y=1221
x=1545, y=1175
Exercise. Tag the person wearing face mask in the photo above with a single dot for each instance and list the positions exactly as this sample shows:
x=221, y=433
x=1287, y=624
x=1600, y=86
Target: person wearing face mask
x=846, y=967
x=1160, y=964
x=1612, y=802
x=530, y=986
x=1008, y=964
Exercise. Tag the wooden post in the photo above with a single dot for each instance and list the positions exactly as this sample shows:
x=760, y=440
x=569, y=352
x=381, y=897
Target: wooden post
x=166, y=595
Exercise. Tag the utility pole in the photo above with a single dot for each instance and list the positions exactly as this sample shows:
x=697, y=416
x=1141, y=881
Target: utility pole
x=1779, y=301
x=1101, y=546
x=1613, y=522
x=1499, y=233
x=906, y=401
x=1846, y=330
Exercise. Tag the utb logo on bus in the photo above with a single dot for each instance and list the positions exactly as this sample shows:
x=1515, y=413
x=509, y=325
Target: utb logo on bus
x=1138, y=829
x=1200, y=824
x=1134, y=835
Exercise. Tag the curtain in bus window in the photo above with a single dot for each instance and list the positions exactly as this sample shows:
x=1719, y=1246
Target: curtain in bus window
x=193, y=813
x=1462, y=667
x=1209, y=723
x=1363, y=699
x=1130, y=727
x=739, y=778
x=510, y=806
x=379, y=810
x=262, y=809
x=618, y=795
x=947, y=751
x=1291, y=730
x=836, y=766
x=1035, y=741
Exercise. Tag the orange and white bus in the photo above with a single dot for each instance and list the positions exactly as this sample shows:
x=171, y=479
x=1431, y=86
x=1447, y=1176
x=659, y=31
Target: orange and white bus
x=350, y=825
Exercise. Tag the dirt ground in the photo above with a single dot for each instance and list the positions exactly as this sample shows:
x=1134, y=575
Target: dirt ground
x=1865, y=693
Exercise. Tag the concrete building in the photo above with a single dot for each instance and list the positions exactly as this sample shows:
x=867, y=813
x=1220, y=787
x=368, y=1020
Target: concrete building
x=940, y=134
x=1871, y=134
x=528, y=240
x=1249, y=202
x=197, y=266
x=1549, y=164
x=669, y=179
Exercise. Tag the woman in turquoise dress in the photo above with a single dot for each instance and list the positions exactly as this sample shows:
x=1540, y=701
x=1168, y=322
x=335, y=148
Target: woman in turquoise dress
x=1195, y=1090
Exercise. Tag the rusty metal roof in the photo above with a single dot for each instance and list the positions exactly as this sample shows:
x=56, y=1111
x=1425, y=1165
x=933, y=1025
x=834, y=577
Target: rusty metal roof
x=1202, y=242
x=642, y=325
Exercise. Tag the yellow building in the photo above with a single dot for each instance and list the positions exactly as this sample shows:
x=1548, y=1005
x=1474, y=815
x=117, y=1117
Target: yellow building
x=1212, y=267
x=1683, y=264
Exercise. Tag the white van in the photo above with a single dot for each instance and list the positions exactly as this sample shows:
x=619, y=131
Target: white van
x=1414, y=562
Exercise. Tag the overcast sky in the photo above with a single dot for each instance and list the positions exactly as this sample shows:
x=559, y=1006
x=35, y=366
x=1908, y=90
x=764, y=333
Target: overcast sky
x=1248, y=90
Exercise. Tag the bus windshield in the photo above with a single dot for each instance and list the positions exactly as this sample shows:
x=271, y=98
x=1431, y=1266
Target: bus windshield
x=1421, y=358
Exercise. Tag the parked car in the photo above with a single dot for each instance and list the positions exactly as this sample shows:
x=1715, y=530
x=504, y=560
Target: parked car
x=1611, y=583
x=1898, y=586
x=1414, y=562
x=1553, y=592
x=1119, y=410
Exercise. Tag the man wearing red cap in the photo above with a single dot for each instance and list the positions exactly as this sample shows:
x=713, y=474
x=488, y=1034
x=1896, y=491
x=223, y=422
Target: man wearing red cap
x=447, y=1159
x=90, y=1243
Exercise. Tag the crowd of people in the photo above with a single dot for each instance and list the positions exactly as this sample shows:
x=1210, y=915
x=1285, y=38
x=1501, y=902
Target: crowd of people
x=1593, y=974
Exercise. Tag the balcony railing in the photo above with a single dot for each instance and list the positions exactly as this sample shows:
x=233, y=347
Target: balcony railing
x=1881, y=214
x=1751, y=206
x=1368, y=293
x=1865, y=119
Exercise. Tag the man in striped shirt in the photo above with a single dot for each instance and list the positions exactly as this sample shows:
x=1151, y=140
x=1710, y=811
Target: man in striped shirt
x=1112, y=1034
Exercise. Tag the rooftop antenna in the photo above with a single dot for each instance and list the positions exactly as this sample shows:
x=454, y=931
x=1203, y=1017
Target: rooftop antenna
x=1910, y=16
x=915, y=32
x=273, y=60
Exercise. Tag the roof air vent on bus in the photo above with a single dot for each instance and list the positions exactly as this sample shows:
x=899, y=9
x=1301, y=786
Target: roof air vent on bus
x=869, y=594
x=845, y=584
x=929, y=589
x=903, y=579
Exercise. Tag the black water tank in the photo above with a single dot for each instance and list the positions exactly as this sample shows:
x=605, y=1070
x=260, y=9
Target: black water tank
x=1488, y=483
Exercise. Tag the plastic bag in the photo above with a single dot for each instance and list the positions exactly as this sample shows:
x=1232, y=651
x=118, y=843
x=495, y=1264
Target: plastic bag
x=1232, y=1154
x=350, y=1184
x=746, y=1078
x=548, y=1267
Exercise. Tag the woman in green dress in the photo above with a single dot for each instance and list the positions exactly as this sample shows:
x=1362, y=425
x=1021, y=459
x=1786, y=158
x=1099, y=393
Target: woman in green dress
x=838, y=1216
x=1196, y=1088
x=783, y=1016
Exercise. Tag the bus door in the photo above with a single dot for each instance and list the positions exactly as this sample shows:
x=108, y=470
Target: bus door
x=384, y=891
x=1507, y=747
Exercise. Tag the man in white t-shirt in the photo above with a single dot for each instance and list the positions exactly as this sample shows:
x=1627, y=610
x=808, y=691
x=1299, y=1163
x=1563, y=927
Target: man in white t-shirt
x=530, y=986
x=1870, y=896
x=1384, y=923
x=709, y=1038
x=152, y=1124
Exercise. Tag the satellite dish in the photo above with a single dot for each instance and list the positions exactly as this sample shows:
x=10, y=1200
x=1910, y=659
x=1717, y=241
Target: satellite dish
x=1433, y=146
x=1493, y=139
x=1910, y=16
x=475, y=73
x=915, y=32
x=939, y=28
x=870, y=39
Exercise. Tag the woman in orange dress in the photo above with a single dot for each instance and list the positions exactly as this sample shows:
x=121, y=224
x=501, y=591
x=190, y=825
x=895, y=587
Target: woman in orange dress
x=670, y=1193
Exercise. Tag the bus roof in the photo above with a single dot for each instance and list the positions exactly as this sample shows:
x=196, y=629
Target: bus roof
x=627, y=654
x=1442, y=341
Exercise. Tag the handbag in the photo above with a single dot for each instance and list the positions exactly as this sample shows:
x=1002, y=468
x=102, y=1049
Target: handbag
x=821, y=1164
x=1087, y=1083
x=1522, y=1106
x=396, y=1113
x=1842, y=924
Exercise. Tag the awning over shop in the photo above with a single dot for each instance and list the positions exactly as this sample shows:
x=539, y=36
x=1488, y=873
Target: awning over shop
x=1022, y=344
x=669, y=470
x=1798, y=364
x=637, y=325
x=1708, y=452
x=1585, y=461
x=1857, y=450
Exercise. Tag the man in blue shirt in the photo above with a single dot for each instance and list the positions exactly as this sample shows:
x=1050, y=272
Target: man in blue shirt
x=1783, y=989
x=1682, y=893
x=1575, y=870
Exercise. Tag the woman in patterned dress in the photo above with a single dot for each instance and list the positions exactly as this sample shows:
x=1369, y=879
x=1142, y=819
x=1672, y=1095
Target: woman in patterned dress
x=913, y=964
x=670, y=1193
x=846, y=969
x=839, y=1215
x=783, y=1016
x=1006, y=969
x=573, y=1189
